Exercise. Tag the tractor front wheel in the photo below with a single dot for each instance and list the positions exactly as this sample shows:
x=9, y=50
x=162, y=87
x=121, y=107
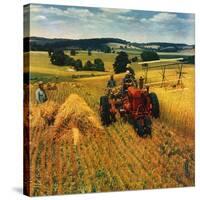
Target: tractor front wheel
x=139, y=127
x=155, y=105
x=147, y=125
x=143, y=126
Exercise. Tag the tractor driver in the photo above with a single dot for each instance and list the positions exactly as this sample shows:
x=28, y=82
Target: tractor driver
x=132, y=75
x=130, y=69
x=111, y=84
x=127, y=81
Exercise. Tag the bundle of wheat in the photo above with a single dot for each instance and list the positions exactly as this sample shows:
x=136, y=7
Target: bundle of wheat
x=76, y=113
x=51, y=86
x=42, y=115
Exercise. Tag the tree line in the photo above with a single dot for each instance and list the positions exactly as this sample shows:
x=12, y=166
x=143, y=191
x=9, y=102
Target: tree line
x=122, y=60
x=44, y=44
x=58, y=57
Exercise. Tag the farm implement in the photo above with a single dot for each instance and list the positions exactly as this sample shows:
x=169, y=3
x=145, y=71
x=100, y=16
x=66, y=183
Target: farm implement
x=136, y=105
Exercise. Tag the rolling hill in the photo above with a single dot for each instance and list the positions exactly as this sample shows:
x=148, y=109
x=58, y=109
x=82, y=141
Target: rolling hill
x=44, y=44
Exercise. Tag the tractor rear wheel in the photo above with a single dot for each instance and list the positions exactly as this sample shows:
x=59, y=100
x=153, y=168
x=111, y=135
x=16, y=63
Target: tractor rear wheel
x=105, y=110
x=155, y=105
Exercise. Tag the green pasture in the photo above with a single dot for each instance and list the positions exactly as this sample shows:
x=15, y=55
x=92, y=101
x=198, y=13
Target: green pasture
x=40, y=67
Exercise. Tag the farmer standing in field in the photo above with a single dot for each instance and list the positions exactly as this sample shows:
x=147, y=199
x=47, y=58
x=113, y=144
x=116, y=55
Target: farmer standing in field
x=40, y=93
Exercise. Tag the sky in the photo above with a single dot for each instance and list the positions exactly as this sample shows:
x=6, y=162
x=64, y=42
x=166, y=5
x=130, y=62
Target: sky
x=72, y=22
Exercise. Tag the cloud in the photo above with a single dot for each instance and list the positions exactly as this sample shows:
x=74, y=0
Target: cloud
x=114, y=10
x=125, y=18
x=78, y=12
x=168, y=20
x=36, y=8
x=86, y=15
x=83, y=22
x=54, y=11
x=56, y=22
x=143, y=20
x=163, y=17
x=73, y=12
x=39, y=18
x=188, y=20
x=39, y=9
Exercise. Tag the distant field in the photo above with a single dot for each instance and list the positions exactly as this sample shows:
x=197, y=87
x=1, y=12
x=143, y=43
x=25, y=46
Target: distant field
x=42, y=69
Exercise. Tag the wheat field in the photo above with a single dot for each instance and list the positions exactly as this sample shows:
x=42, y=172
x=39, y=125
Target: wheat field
x=70, y=152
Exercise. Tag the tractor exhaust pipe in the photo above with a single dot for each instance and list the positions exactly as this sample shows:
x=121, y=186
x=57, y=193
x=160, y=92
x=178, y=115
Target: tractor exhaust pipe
x=147, y=87
x=141, y=82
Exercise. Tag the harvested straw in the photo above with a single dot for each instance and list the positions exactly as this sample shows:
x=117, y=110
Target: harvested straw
x=76, y=113
x=43, y=115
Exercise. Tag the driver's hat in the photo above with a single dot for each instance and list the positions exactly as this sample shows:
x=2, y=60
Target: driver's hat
x=128, y=65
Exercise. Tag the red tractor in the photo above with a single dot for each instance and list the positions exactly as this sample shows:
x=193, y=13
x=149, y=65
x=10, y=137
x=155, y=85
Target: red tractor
x=140, y=106
x=137, y=106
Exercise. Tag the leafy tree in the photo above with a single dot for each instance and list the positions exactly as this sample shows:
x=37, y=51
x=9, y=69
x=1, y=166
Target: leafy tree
x=58, y=57
x=88, y=65
x=106, y=49
x=71, y=62
x=120, y=63
x=99, y=64
x=78, y=65
x=73, y=52
x=149, y=55
x=50, y=51
x=190, y=59
x=134, y=59
x=89, y=52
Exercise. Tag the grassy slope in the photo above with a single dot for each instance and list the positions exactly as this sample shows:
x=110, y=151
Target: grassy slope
x=42, y=69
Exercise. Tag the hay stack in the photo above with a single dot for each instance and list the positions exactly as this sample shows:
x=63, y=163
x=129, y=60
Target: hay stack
x=43, y=115
x=75, y=113
x=50, y=86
